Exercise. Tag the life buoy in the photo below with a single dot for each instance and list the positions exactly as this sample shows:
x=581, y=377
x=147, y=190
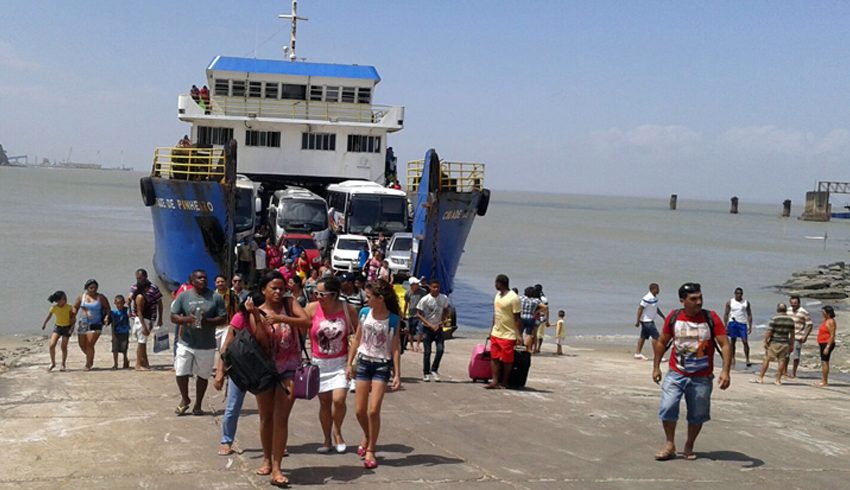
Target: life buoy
x=483, y=202
x=148, y=193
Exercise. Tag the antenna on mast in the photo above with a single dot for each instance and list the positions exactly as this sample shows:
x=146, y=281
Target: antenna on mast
x=294, y=18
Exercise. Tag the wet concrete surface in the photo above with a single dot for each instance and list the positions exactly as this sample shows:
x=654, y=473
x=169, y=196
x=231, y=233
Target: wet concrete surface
x=586, y=420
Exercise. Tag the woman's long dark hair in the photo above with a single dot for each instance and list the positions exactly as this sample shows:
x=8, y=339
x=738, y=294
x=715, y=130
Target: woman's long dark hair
x=383, y=289
x=830, y=311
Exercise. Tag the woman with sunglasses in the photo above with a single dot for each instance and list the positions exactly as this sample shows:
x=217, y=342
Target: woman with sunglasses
x=377, y=345
x=332, y=322
x=92, y=310
x=278, y=325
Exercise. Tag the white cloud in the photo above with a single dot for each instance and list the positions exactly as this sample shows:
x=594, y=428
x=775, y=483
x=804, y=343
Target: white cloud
x=657, y=142
x=11, y=61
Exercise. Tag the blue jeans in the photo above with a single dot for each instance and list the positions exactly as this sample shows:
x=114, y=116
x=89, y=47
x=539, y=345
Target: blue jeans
x=697, y=392
x=235, y=397
x=429, y=337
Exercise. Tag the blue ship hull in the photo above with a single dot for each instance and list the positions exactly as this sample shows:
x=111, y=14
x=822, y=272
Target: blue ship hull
x=190, y=229
x=441, y=223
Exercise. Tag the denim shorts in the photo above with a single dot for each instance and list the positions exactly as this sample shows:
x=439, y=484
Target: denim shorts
x=373, y=371
x=648, y=330
x=528, y=326
x=697, y=392
x=414, y=326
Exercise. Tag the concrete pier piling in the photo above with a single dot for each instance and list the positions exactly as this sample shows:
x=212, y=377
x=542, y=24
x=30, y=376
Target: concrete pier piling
x=817, y=206
x=786, y=208
x=734, y=208
x=673, y=198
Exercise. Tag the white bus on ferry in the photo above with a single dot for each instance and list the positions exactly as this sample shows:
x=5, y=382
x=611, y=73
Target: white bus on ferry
x=360, y=207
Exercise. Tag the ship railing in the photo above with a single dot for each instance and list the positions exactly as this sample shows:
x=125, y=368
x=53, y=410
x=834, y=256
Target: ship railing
x=189, y=163
x=454, y=176
x=298, y=109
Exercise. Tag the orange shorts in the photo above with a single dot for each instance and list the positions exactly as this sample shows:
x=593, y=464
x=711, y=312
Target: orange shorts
x=502, y=349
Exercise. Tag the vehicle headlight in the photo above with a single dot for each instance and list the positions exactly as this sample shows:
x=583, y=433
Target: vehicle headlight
x=337, y=257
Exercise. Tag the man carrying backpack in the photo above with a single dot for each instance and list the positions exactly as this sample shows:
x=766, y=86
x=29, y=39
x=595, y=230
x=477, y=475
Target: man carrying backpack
x=692, y=331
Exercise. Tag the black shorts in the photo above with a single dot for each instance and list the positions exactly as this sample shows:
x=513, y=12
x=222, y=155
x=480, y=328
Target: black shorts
x=826, y=351
x=95, y=328
x=120, y=342
x=62, y=331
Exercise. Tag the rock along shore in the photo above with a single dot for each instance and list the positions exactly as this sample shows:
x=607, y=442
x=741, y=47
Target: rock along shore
x=586, y=420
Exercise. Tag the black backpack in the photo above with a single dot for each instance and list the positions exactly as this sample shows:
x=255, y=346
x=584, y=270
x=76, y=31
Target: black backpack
x=675, y=314
x=248, y=365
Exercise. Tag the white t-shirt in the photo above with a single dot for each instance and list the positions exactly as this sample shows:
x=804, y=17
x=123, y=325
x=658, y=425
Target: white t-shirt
x=650, y=308
x=260, y=258
x=432, y=308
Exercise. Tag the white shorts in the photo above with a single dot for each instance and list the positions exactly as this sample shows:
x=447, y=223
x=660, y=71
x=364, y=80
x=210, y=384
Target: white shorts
x=559, y=341
x=137, y=332
x=193, y=362
x=331, y=373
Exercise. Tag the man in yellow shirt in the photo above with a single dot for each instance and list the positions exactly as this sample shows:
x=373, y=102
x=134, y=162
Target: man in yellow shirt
x=505, y=333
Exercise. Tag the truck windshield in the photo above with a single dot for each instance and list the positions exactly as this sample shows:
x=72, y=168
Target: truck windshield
x=303, y=215
x=243, y=219
x=402, y=244
x=371, y=214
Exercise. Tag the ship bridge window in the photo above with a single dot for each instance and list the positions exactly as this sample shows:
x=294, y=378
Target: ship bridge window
x=364, y=95
x=270, y=139
x=222, y=87
x=316, y=92
x=238, y=88
x=318, y=141
x=214, y=136
x=255, y=89
x=332, y=94
x=272, y=90
x=348, y=94
x=359, y=143
x=293, y=92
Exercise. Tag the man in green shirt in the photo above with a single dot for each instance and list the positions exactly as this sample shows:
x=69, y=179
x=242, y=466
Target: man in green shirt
x=778, y=342
x=198, y=311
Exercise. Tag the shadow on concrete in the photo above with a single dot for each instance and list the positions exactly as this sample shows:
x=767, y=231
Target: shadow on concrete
x=419, y=460
x=530, y=389
x=320, y=475
x=732, y=456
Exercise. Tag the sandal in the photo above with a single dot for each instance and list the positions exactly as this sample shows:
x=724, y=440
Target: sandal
x=665, y=454
x=264, y=470
x=690, y=456
x=370, y=464
x=181, y=409
x=280, y=481
x=225, y=450
x=198, y=412
x=361, y=451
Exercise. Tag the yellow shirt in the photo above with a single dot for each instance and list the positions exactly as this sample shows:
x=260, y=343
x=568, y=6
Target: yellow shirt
x=505, y=308
x=560, y=331
x=63, y=315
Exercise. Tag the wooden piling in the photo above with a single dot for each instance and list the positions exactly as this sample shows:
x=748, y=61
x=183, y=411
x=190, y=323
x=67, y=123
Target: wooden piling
x=673, y=198
x=786, y=208
x=734, y=208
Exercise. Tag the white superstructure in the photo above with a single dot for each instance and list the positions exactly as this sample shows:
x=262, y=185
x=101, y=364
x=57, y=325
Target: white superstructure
x=312, y=121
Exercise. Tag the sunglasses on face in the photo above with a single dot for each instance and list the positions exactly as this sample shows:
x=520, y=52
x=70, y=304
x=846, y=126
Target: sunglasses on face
x=325, y=294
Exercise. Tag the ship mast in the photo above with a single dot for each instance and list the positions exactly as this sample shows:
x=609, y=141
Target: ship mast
x=294, y=18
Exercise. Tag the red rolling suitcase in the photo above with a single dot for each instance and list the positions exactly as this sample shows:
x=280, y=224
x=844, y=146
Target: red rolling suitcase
x=479, y=363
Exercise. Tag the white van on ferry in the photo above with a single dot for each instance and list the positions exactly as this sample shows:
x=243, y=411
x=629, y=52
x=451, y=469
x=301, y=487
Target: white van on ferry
x=297, y=210
x=365, y=208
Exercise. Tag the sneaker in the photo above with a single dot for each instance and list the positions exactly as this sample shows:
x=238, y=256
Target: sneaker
x=426, y=378
x=641, y=357
x=436, y=376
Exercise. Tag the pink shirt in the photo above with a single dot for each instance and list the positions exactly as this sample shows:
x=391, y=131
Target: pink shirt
x=287, y=344
x=329, y=334
x=238, y=321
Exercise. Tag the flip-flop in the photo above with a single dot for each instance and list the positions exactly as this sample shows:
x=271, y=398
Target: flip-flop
x=264, y=470
x=181, y=409
x=225, y=450
x=281, y=482
x=198, y=412
x=665, y=455
x=690, y=456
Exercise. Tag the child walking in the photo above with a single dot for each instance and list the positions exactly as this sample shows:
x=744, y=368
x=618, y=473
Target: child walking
x=560, y=332
x=62, y=329
x=120, y=331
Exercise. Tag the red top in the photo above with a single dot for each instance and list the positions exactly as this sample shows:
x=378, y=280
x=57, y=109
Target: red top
x=238, y=321
x=823, y=333
x=693, y=348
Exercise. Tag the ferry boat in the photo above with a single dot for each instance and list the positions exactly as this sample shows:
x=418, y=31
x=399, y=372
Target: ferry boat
x=260, y=126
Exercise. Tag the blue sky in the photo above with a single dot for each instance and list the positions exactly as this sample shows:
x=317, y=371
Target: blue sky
x=645, y=98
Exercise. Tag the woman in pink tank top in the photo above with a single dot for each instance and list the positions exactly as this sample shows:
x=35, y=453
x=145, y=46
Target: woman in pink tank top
x=277, y=325
x=332, y=322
